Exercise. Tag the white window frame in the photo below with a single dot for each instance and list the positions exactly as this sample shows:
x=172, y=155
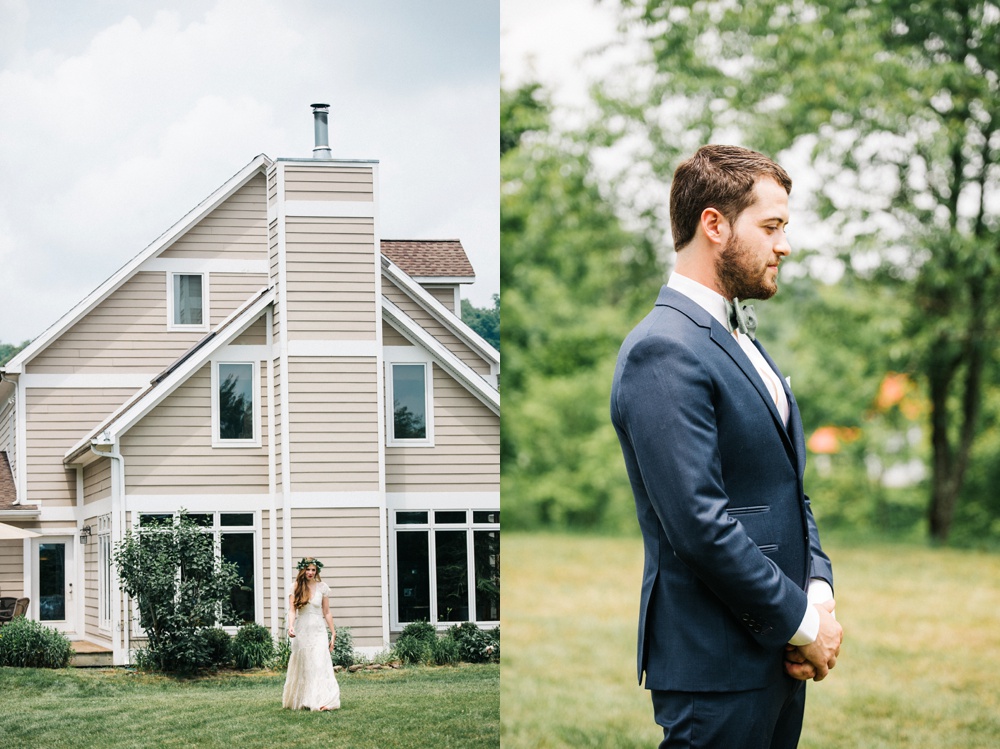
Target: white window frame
x=418, y=360
x=217, y=529
x=470, y=527
x=205, y=308
x=105, y=584
x=217, y=440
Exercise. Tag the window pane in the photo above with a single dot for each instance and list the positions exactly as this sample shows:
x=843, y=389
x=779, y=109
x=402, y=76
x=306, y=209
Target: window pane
x=413, y=582
x=487, y=556
x=237, y=518
x=450, y=517
x=486, y=517
x=51, y=582
x=236, y=401
x=187, y=300
x=452, y=576
x=160, y=519
x=411, y=518
x=204, y=519
x=238, y=549
x=409, y=402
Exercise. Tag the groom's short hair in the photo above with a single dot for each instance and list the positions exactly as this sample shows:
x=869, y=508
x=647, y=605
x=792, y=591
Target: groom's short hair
x=720, y=177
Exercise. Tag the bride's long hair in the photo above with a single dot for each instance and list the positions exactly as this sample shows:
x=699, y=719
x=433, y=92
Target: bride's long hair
x=302, y=586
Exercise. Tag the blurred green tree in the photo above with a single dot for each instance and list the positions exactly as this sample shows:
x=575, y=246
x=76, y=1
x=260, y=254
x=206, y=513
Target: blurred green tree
x=897, y=105
x=573, y=282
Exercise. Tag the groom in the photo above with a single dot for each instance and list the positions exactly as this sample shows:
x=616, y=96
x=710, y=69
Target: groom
x=736, y=609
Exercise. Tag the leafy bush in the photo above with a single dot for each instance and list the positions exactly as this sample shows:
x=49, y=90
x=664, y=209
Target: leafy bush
x=283, y=653
x=218, y=641
x=343, y=648
x=415, y=643
x=170, y=570
x=411, y=649
x=29, y=644
x=445, y=651
x=474, y=644
x=252, y=647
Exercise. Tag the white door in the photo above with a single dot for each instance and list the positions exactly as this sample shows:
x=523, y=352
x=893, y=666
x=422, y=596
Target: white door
x=52, y=599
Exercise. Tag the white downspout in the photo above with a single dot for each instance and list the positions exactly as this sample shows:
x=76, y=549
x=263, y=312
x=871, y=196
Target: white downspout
x=118, y=521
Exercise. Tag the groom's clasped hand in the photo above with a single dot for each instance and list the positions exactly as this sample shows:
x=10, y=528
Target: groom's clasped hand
x=814, y=661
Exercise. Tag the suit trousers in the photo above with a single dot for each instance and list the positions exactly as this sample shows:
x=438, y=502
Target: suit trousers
x=769, y=718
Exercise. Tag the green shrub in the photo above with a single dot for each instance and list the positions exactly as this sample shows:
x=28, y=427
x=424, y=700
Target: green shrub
x=343, y=648
x=283, y=653
x=218, y=645
x=412, y=649
x=445, y=651
x=475, y=645
x=29, y=644
x=422, y=630
x=252, y=647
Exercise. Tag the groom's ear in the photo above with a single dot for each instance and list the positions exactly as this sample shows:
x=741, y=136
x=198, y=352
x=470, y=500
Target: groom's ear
x=714, y=226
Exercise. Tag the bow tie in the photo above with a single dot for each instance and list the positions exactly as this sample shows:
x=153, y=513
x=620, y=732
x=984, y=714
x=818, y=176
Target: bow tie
x=741, y=317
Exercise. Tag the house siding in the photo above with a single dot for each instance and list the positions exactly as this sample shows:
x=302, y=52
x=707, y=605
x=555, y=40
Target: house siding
x=466, y=451
x=333, y=423
x=97, y=481
x=237, y=229
x=347, y=542
x=330, y=278
x=170, y=450
x=12, y=568
x=8, y=435
x=329, y=183
x=445, y=295
x=56, y=420
x=423, y=318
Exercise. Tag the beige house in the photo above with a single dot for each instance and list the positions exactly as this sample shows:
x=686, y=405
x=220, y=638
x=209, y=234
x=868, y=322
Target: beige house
x=298, y=383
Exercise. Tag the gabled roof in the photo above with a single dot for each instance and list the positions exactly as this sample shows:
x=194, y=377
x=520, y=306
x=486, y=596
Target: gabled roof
x=416, y=334
x=196, y=214
x=439, y=312
x=172, y=377
x=438, y=259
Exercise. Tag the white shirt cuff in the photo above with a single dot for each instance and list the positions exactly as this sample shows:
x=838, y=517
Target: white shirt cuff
x=819, y=591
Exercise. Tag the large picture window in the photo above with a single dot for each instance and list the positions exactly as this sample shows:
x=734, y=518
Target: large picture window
x=447, y=566
x=187, y=301
x=410, y=399
x=232, y=535
x=234, y=404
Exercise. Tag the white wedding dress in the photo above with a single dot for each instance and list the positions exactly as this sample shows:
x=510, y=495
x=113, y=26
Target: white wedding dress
x=310, y=681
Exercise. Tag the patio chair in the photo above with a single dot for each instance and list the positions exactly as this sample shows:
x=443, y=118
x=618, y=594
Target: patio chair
x=7, y=605
x=20, y=608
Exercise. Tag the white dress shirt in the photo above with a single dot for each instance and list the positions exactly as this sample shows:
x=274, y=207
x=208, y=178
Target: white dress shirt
x=715, y=304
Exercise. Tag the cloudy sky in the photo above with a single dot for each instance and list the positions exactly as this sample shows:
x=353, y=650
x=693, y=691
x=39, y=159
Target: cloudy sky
x=119, y=116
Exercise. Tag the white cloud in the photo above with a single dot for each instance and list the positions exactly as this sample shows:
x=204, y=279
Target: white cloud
x=113, y=127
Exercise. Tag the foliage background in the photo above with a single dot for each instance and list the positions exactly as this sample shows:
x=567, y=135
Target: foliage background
x=887, y=115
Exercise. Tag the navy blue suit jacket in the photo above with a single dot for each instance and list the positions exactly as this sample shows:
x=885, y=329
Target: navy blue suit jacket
x=730, y=541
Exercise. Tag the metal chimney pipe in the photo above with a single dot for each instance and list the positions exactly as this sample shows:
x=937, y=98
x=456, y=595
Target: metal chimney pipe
x=321, y=129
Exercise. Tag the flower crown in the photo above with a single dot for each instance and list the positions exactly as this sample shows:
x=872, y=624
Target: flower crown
x=310, y=561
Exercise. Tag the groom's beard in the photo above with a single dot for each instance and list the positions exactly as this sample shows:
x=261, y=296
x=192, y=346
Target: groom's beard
x=741, y=273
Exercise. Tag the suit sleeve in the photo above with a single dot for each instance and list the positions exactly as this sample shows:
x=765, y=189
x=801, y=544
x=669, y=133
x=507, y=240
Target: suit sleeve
x=821, y=566
x=665, y=403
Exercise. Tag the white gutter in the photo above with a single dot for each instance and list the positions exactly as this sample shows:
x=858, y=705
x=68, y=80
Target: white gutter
x=120, y=648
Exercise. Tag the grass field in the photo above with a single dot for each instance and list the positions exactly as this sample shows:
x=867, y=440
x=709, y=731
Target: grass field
x=920, y=665
x=410, y=708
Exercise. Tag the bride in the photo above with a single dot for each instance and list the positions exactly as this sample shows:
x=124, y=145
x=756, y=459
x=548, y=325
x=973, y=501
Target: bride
x=310, y=682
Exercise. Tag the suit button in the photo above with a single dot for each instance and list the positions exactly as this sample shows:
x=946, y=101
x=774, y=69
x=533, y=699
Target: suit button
x=746, y=617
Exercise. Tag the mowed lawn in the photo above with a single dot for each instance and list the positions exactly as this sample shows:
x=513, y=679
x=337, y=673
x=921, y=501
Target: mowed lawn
x=413, y=707
x=920, y=665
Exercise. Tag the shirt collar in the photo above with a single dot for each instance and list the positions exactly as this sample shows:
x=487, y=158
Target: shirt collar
x=711, y=301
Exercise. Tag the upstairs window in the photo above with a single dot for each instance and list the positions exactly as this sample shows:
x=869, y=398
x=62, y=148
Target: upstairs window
x=236, y=413
x=187, y=301
x=410, y=397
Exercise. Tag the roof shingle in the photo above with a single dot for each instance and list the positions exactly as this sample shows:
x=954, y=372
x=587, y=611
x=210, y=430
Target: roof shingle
x=434, y=258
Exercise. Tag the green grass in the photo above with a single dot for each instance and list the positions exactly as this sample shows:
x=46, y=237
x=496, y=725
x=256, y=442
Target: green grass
x=920, y=665
x=412, y=707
